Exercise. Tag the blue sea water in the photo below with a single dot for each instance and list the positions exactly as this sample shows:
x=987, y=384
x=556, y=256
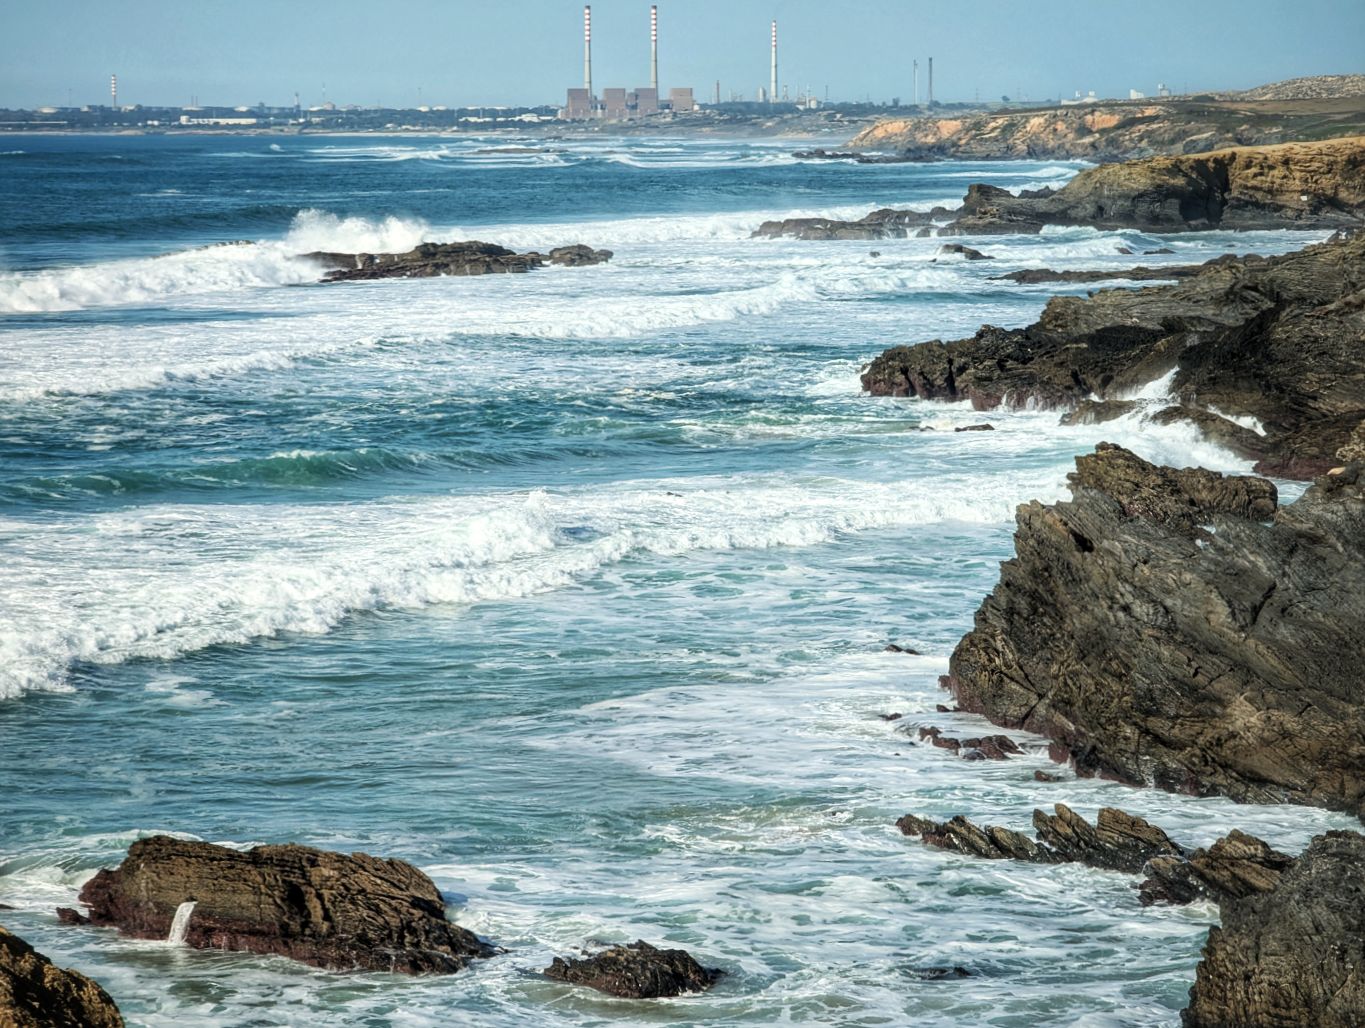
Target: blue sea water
x=570, y=587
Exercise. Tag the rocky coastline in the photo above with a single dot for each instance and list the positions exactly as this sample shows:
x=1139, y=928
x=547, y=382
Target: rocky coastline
x=1126, y=130
x=429, y=260
x=1263, y=354
x=1290, y=185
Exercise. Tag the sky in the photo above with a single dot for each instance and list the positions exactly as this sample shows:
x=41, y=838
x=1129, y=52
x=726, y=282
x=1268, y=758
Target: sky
x=404, y=53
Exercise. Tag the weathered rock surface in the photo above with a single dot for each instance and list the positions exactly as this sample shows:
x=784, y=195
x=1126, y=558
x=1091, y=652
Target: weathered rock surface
x=1292, y=185
x=1173, y=628
x=886, y=223
x=1236, y=865
x=1117, y=841
x=1280, y=340
x=987, y=747
x=36, y=993
x=636, y=971
x=1037, y=276
x=428, y=260
x=1292, y=955
x=1124, y=130
x=327, y=909
x=966, y=252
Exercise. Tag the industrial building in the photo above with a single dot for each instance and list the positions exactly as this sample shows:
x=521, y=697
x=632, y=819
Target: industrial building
x=617, y=104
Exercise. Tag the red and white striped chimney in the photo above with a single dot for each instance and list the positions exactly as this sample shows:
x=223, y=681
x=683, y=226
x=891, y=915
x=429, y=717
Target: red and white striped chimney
x=654, y=47
x=587, y=50
x=772, y=85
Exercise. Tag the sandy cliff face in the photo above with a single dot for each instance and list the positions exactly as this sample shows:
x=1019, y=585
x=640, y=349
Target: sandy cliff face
x=1118, y=131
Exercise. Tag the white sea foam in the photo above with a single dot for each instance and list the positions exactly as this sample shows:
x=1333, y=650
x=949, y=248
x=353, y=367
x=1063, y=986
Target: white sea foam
x=163, y=581
x=205, y=270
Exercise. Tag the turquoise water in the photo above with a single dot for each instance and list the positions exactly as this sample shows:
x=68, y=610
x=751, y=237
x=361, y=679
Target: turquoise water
x=569, y=587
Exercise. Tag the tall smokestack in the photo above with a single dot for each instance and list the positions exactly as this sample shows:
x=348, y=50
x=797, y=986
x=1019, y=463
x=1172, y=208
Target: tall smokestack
x=931, y=82
x=654, y=47
x=772, y=82
x=587, y=51
x=916, y=77
x=113, y=89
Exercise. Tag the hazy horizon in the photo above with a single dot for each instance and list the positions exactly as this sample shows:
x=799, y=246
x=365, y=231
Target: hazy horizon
x=414, y=52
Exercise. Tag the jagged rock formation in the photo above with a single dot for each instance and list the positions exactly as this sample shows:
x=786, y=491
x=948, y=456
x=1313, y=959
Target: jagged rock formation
x=1173, y=628
x=36, y=993
x=1291, y=955
x=1037, y=276
x=1116, y=131
x=1279, y=340
x=1292, y=185
x=1117, y=841
x=465, y=258
x=327, y=909
x=1236, y=865
x=987, y=747
x=885, y=223
x=636, y=971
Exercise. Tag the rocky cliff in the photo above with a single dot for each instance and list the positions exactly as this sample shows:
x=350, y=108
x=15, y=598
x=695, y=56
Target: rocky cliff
x=36, y=993
x=1174, y=628
x=1117, y=131
x=1290, y=955
x=1292, y=185
x=1279, y=340
x=328, y=909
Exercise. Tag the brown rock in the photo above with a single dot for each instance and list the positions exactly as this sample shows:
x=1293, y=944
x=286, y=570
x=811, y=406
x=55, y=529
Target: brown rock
x=35, y=993
x=327, y=909
x=636, y=971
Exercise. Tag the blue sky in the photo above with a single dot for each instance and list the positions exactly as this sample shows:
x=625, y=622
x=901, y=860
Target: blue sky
x=455, y=52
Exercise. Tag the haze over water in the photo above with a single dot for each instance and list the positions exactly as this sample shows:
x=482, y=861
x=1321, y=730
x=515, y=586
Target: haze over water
x=571, y=587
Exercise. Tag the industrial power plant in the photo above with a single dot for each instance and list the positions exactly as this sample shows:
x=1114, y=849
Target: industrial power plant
x=616, y=104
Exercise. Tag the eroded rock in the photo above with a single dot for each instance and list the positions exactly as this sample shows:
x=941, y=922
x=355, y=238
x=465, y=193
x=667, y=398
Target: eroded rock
x=36, y=993
x=428, y=260
x=1173, y=628
x=1291, y=955
x=328, y=909
x=636, y=971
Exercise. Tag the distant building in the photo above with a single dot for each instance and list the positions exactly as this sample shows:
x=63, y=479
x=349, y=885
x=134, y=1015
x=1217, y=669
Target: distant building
x=1089, y=98
x=614, y=104
x=680, y=100
x=1134, y=94
x=580, y=105
x=646, y=102
x=185, y=119
x=1161, y=89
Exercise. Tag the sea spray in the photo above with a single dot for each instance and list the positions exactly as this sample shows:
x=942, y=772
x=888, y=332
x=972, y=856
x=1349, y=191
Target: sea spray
x=180, y=923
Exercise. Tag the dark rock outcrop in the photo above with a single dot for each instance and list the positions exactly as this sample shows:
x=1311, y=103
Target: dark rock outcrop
x=1278, y=340
x=886, y=223
x=1038, y=276
x=1117, y=841
x=1236, y=865
x=636, y=971
x=986, y=747
x=327, y=909
x=428, y=260
x=1291, y=185
x=1291, y=955
x=966, y=252
x=36, y=993
x=1173, y=628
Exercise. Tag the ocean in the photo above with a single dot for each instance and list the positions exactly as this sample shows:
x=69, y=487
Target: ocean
x=572, y=587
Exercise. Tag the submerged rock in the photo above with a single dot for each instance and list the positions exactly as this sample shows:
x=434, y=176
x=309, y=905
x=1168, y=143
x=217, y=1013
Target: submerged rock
x=966, y=252
x=36, y=993
x=1293, y=954
x=463, y=258
x=327, y=909
x=886, y=223
x=1173, y=628
x=636, y=971
x=1271, y=342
